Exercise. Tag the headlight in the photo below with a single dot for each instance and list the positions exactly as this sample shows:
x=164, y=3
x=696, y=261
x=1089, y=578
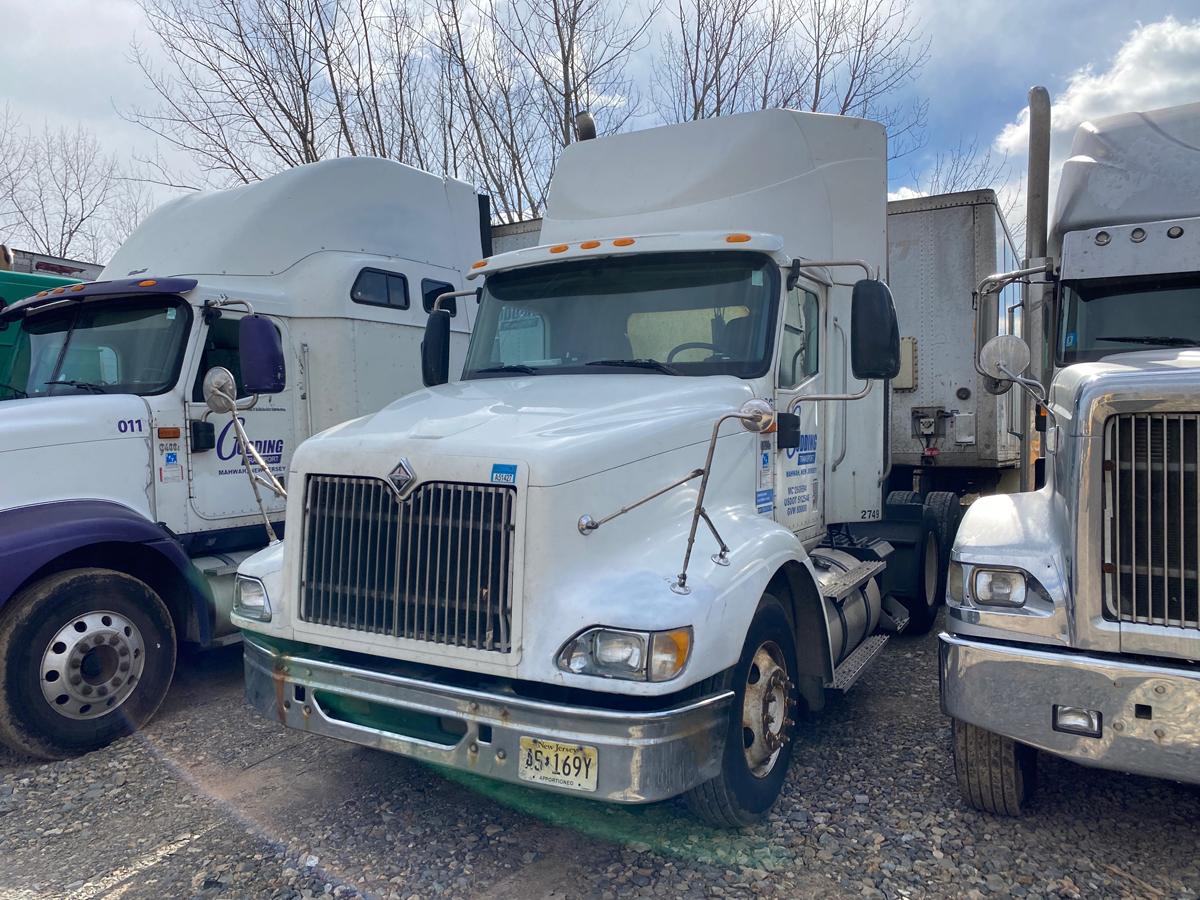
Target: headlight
x=633, y=655
x=999, y=587
x=250, y=599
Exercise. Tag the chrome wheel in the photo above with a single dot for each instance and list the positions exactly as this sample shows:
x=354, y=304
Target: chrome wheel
x=766, y=709
x=92, y=665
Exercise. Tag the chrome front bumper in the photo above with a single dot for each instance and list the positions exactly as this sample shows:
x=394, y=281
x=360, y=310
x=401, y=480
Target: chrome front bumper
x=1151, y=714
x=641, y=756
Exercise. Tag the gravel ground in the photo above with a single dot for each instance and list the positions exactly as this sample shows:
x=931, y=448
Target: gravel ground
x=212, y=801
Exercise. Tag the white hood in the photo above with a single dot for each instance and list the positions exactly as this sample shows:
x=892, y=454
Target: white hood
x=72, y=419
x=564, y=427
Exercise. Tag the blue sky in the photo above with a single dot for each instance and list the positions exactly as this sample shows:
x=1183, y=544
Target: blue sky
x=66, y=61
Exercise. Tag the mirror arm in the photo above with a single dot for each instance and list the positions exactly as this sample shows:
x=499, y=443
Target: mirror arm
x=993, y=284
x=834, y=264
x=270, y=481
x=1034, y=389
x=867, y=385
x=437, y=304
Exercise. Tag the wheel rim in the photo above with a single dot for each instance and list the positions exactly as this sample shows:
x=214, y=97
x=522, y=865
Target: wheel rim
x=92, y=665
x=931, y=571
x=766, y=709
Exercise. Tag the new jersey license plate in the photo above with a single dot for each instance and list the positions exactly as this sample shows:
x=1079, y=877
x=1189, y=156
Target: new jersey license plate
x=562, y=765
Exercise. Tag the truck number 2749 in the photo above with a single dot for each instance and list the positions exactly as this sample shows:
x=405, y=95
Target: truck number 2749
x=129, y=426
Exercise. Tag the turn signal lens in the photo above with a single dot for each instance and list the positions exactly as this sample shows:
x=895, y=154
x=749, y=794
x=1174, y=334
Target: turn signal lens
x=168, y=434
x=669, y=652
x=954, y=582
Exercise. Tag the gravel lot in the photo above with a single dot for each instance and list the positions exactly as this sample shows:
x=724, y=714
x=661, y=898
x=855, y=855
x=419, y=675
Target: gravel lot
x=212, y=801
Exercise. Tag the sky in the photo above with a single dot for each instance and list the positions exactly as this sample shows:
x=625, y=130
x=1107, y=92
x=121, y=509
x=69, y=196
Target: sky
x=67, y=61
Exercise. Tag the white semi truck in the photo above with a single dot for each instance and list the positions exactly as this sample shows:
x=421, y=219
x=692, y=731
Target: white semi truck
x=124, y=506
x=1073, y=621
x=615, y=559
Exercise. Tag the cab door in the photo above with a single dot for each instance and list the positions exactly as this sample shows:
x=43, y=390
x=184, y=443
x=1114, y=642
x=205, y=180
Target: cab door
x=797, y=472
x=219, y=488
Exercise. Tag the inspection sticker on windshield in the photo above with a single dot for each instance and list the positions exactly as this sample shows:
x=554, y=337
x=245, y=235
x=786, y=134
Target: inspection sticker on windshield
x=502, y=474
x=562, y=765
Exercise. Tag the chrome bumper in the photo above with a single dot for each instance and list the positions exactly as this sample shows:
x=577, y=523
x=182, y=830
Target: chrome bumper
x=1012, y=690
x=641, y=756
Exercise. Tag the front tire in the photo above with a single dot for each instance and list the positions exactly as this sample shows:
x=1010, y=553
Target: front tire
x=995, y=774
x=758, y=742
x=86, y=657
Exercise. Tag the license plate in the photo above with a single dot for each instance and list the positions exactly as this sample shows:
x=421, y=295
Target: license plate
x=562, y=765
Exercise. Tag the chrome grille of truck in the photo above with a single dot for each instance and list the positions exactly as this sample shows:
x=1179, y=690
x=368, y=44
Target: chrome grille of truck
x=434, y=566
x=1152, y=503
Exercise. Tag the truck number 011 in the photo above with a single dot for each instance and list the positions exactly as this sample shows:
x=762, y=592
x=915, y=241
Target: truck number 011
x=129, y=426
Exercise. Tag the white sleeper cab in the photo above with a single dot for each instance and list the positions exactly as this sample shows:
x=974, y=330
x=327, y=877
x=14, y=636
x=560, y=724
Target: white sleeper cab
x=124, y=503
x=646, y=528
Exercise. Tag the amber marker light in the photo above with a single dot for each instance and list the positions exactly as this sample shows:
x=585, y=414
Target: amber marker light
x=78, y=287
x=737, y=238
x=559, y=248
x=59, y=290
x=149, y=282
x=623, y=242
x=168, y=434
x=479, y=265
x=589, y=245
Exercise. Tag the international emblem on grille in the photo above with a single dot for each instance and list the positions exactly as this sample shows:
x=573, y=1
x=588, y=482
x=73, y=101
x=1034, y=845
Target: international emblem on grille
x=402, y=477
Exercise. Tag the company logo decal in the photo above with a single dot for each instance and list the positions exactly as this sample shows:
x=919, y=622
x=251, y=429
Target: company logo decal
x=228, y=446
x=402, y=476
x=504, y=474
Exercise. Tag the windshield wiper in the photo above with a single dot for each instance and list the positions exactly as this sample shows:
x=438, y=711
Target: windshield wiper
x=16, y=390
x=515, y=367
x=82, y=385
x=1164, y=341
x=636, y=364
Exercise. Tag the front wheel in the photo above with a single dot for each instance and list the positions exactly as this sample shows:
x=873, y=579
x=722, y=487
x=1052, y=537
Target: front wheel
x=995, y=774
x=86, y=656
x=758, y=742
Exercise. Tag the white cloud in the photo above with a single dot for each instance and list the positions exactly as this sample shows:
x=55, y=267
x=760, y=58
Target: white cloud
x=905, y=193
x=1157, y=66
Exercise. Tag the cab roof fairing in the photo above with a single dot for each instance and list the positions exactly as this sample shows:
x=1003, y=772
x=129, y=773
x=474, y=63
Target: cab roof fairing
x=642, y=245
x=91, y=290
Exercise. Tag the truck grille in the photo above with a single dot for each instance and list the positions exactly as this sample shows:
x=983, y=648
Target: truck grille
x=435, y=566
x=1152, y=502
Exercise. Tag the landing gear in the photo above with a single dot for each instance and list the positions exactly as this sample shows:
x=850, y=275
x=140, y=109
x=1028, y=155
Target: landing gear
x=86, y=656
x=758, y=743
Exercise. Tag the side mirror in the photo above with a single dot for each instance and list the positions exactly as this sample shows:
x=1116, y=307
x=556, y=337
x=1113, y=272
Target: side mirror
x=874, y=332
x=260, y=351
x=435, y=349
x=787, y=431
x=220, y=390
x=1002, y=358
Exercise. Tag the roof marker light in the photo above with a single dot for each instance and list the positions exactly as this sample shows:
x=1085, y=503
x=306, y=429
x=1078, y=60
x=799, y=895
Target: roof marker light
x=559, y=248
x=589, y=245
x=42, y=293
x=59, y=290
x=149, y=282
x=78, y=287
x=736, y=238
x=479, y=265
x=623, y=242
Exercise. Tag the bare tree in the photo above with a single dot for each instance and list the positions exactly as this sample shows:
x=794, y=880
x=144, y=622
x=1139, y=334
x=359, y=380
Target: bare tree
x=849, y=57
x=58, y=186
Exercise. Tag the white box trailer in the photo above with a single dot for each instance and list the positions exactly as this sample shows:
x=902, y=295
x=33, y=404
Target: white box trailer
x=947, y=432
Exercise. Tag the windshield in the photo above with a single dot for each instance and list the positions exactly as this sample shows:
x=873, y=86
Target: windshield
x=124, y=346
x=1123, y=315
x=672, y=313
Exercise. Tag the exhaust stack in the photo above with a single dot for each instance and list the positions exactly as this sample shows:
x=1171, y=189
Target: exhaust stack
x=1037, y=195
